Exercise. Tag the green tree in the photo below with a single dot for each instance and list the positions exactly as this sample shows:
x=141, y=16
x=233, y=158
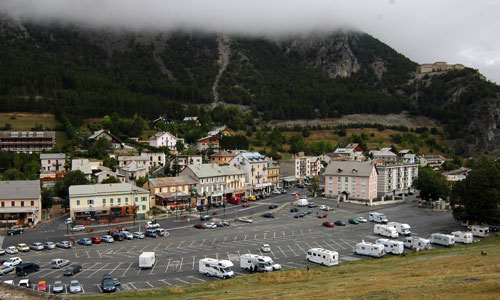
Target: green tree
x=47, y=200
x=71, y=178
x=101, y=147
x=314, y=187
x=111, y=179
x=432, y=185
x=297, y=143
x=477, y=197
x=141, y=181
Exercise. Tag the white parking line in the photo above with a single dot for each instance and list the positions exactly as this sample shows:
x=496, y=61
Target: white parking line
x=83, y=290
x=213, y=242
x=166, y=282
x=347, y=243
x=191, y=245
x=183, y=281
x=127, y=269
x=193, y=262
x=332, y=248
x=168, y=264
x=99, y=287
x=282, y=251
x=180, y=266
x=154, y=249
x=292, y=250
x=152, y=269
x=309, y=245
x=90, y=276
x=147, y=282
x=203, y=242
x=318, y=244
x=199, y=279
x=301, y=248
x=133, y=286
x=337, y=244
x=178, y=246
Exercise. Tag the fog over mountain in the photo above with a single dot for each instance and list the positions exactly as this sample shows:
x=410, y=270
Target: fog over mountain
x=457, y=31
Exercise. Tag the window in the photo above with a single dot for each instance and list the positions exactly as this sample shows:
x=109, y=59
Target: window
x=144, y=207
x=104, y=201
x=136, y=199
x=111, y=200
x=119, y=200
x=77, y=202
x=346, y=179
x=22, y=203
x=32, y=203
x=144, y=199
x=90, y=201
x=13, y=203
x=3, y=204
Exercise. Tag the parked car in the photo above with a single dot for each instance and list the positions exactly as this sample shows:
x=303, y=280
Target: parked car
x=2, y=261
x=68, y=221
x=85, y=242
x=261, y=196
x=118, y=236
x=130, y=236
x=209, y=225
x=268, y=215
x=107, y=285
x=138, y=235
x=75, y=287
x=246, y=204
x=151, y=233
x=72, y=270
x=301, y=186
x=78, y=228
x=251, y=198
x=152, y=225
x=324, y=215
x=96, y=239
x=26, y=268
x=11, y=250
x=283, y=191
x=15, y=230
x=265, y=248
x=206, y=217
x=294, y=209
x=37, y=246
x=340, y=223
x=25, y=283
x=221, y=223
x=245, y=220
x=2, y=251
x=41, y=286
x=273, y=206
x=361, y=220
x=107, y=239
x=199, y=225
x=6, y=269
x=49, y=245
x=312, y=204
x=277, y=192
x=353, y=221
x=308, y=212
x=63, y=244
x=325, y=207
x=22, y=247
x=327, y=224
x=57, y=287
x=299, y=215
x=58, y=263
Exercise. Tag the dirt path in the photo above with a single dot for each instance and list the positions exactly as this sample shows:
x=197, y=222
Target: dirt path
x=224, y=53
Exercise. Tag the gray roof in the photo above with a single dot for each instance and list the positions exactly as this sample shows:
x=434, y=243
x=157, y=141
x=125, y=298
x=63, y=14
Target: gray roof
x=254, y=157
x=19, y=189
x=103, y=189
x=27, y=134
x=132, y=158
x=350, y=168
x=82, y=165
x=206, y=170
x=232, y=170
x=52, y=156
x=172, y=181
x=133, y=166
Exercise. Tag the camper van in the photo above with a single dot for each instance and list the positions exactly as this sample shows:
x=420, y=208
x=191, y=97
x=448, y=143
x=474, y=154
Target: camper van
x=215, y=267
x=391, y=246
x=385, y=230
x=378, y=217
x=253, y=262
x=417, y=243
x=147, y=260
x=302, y=202
x=442, y=239
x=480, y=231
x=401, y=228
x=463, y=237
x=369, y=249
x=323, y=257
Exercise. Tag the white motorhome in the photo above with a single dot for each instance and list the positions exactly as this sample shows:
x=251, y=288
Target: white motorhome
x=385, y=230
x=378, y=217
x=302, y=202
x=369, y=249
x=480, y=231
x=401, y=228
x=417, y=243
x=216, y=267
x=391, y=246
x=323, y=256
x=442, y=239
x=463, y=237
x=253, y=262
x=147, y=260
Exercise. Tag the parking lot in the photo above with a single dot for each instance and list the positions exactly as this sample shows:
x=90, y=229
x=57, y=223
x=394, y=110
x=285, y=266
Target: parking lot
x=178, y=252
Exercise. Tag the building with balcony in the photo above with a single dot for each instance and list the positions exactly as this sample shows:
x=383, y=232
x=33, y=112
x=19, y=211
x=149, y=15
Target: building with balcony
x=27, y=141
x=115, y=142
x=156, y=158
x=20, y=202
x=171, y=193
x=210, y=182
x=255, y=166
x=395, y=178
x=222, y=157
x=385, y=155
x=164, y=139
x=273, y=174
x=301, y=167
x=208, y=142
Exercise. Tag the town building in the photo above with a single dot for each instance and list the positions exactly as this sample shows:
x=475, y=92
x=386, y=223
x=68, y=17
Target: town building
x=27, y=141
x=195, y=120
x=457, y=175
x=210, y=182
x=351, y=152
x=351, y=180
x=439, y=66
x=108, y=203
x=181, y=161
x=171, y=193
x=222, y=157
x=82, y=165
x=133, y=171
x=20, y=202
x=395, y=178
x=115, y=142
x=330, y=156
x=156, y=158
x=106, y=174
x=301, y=167
x=142, y=161
x=255, y=166
x=432, y=161
x=208, y=142
x=273, y=174
x=220, y=131
x=52, y=162
x=385, y=155
x=164, y=139
x=235, y=182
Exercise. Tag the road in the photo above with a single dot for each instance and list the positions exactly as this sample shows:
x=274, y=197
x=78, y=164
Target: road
x=179, y=252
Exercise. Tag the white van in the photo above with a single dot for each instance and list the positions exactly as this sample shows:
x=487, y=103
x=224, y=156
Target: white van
x=378, y=217
x=215, y=267
x=385, y=230
x=302, y=202
x=442, y=239
x=369, y=249
x=323, y=256
x=463, y=237
x=401, y=228
x=147, y=260
x=58, y=263
x=391, y=246
x=417, y=243
x=481, y=231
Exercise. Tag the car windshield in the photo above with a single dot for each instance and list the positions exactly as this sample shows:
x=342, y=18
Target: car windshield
x=74, y=284
x=226, y=270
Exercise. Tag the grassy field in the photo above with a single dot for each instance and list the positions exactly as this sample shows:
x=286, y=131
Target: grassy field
x=460, y=272
x=26, y=121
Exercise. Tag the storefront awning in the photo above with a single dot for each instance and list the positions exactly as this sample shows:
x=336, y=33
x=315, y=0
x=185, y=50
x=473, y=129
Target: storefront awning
x=21, y=209
x=289, y=179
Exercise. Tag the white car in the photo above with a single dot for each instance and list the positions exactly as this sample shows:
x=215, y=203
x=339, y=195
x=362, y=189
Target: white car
x=151, y=225
x=361, y=220
x=245, y=220
x=78, y=228
x=11, y=282
x=128, y=235
x=138, y=235
x=75, y=287
x=68, y=221
x=11, y=250
x=36, y=246
x=6, y=269
x=277, y=192
x=265, y=248
x=49, y=245
x=13, y=261
x=107, y=239
x=210, y=225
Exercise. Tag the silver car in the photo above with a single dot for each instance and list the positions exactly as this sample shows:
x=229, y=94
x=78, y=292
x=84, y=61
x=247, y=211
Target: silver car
x=138, y=235
x=245, y=220
x=78, y=228
x=75, y=287
x=49, y=245
x=6, y=269
x=36, y=246
x=57, y=287
x=107, y=239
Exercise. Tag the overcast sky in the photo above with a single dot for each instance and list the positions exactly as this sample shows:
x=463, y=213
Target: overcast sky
x=456, y=31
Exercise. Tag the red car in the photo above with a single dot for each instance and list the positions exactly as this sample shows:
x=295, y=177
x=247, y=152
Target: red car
x=246, y=204
x=327, y=224
x=42, y=286
x=322, y=215
x=199, y=226
x=95, y=239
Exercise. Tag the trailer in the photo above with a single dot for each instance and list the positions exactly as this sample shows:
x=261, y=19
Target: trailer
x=391, y=246
x=258, y=263
x=220, y=268
x=481, y=231
x=442, y=239
x=369, y=249
x=302, y=202
x=323, y=256
x=378, y=217
x=385, y=230
x=147, y=260
x=416, y=242
x=401, y=228
x=463, y=237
